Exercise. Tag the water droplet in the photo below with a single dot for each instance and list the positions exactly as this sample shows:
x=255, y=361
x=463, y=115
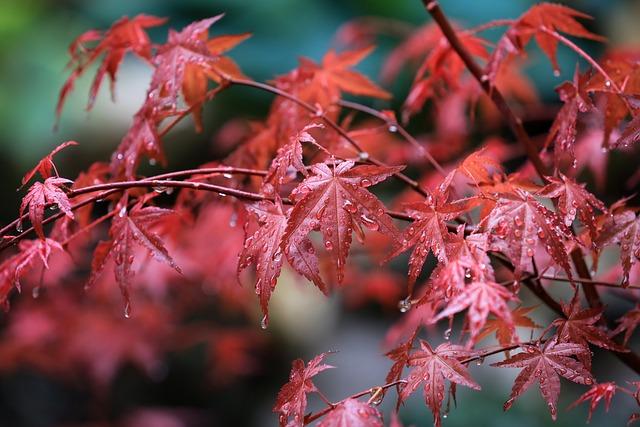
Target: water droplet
x=604, y=150
x=480, y=361
x=363, y=156
x=19, y=227
x=264, y=323
x=233, y=220
x=120, y=156
x=365, y=182
x=607, y=83
x=328, y=245
x=447, y=334
x=369, y=223
x=123, y=211
x=377, y=396
x=53, y=207
x=153, y=161
x=227, y=175
x=556, y=73
x=393, y=128
x=35, y=292
x=445, y=415
x=349, y=207
x=404, y=305
x=159, y=189
x=127, y=310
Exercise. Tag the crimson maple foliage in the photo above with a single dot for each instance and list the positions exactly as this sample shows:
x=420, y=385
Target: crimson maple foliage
x=306, y=179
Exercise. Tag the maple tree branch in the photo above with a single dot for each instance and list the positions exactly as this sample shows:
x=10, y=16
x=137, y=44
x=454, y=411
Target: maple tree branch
x=322, y=116
x=514, y=122
x=590, y=281
x=393, y=124
x=309, y=418
x=432, y=6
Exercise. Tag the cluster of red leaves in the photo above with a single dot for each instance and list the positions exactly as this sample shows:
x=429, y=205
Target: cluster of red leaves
x=302, y=178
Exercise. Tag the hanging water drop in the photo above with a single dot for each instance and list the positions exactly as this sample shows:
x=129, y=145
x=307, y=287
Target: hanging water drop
x=35, y=292
x=363, y=156
x=447, y=334
x=556, y=73
x=127, y=310
x=19, y=227
x=227, y=175
x=159, y=189
x=404, y=305
x=264, y=323
x=393, y=128
x=328, y=245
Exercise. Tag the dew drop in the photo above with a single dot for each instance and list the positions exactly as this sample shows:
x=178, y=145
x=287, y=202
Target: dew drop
x=393, y=128
x=127, y=310
x=53, y=207
x=120, y=156
x=233, y=220
x=445, y=415
x=159, y=189
x=447, y=334
x=369, y=223
x=19, y=227
x=328, y=245
x=264, y=323
x=123, y=211
x=363, y=156
x=556, y=73
x=349, y=207
x=227, y=175
x=607, y=83
x=35, y=292
x=404, y=305
x=480, y=361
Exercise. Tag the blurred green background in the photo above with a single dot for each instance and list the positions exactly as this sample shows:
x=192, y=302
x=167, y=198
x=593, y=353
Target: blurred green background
x=34, y=35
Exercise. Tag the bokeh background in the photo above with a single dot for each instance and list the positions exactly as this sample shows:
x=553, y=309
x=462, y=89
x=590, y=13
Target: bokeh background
x=34, y=35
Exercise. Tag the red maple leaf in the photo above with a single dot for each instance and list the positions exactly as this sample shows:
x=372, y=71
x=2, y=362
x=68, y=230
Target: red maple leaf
x=580, y=327
x=545, y=363
x=39, y=195
x=334, y=75
x=504, y=331
x=264, y=248
x=429, y=369
x=14, y=267
x=128, y=230
x=479, y=298
x=574, y=201
x=563, y=130
x=628, y=323
x=125, y=35
x=624, y=229
x=334, y=200
x=534, y=24
x=400, y=356
x=428, y=232
x=45, y=166
x=519, y=223
x=595, y=394
x=352, y=413
x=292, y=398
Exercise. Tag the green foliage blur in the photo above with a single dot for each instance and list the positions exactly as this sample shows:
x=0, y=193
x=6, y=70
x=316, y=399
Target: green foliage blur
x=34, y=35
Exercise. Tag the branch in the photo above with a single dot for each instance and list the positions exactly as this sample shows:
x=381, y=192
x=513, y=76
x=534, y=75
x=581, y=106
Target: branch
x=309, y=418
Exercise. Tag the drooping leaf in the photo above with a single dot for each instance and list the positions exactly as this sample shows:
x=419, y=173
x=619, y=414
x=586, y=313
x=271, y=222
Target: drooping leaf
x=429, y=369
x=532, y=25
x=545, y=363
x=264, y=248
x=574, y=201
x=504, y=331
x=45, y=166
x=125, y=35
x=334, y=200
x=594, y=395
x=14, y=267
x=128, y=230
x=479, y=298
x=352, y=413
x=292, y=398
x=628, y=324
x=39, y=195
x=623, y=228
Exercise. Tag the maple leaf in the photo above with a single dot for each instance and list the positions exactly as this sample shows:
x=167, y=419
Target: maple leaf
x=563, y=130
x=594, y=395
x=352, y=413
x=265, y=248
x=628, y=323
x=545, y=363
x=130, y=229
x=39, y=195
x=292, y=398
x=45, y=166
x=400, y=356
x=580, y=327
x=505, y=332
x=518, y=224
x=430, y=368
x=428, y=232
x=479, y=167
x=334, y=200
x=623, y=228
x=534, y=24
x=14, y=267
x=481, y=297
x=574, y=200
x=334, y=75
x=288, y=159
x=125, y=35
